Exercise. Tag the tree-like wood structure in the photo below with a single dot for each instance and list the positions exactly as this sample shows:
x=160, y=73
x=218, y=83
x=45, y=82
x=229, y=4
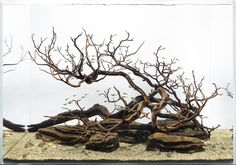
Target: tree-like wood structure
x=168, y=94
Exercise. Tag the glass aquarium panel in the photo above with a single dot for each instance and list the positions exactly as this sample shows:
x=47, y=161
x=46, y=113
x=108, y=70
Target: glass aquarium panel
x=83, y=79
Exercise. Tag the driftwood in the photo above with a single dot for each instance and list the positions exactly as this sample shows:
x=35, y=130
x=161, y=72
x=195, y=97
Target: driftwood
x=95, y=135
x=173, y=101
x=96, y=140
x=110, y=120
x=13, y=126
x=87, y=133
x=135, y=130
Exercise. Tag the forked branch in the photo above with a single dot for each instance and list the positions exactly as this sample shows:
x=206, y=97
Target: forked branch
x=91, y=62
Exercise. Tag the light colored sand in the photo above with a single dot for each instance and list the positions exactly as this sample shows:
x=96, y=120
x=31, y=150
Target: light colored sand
x=219, y=147
x=11, y=139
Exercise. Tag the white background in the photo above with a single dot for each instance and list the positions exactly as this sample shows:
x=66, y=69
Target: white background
x=200, y=36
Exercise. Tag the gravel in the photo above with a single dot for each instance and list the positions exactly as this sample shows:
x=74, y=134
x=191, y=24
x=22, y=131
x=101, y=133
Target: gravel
x=28, y=148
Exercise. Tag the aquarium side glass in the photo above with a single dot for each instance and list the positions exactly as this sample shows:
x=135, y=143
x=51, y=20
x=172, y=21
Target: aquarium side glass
x=1, y=129
x=33, y=25
x=234, y=73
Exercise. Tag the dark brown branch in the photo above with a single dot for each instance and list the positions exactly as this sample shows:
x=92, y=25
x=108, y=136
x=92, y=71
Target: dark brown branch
x=111, y=58
x=13, y=126
x=66, y=116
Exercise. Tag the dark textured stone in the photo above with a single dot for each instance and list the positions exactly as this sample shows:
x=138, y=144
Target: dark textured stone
x=53, y=134
x=173, y=142
x=103, y=142
x=133, y=136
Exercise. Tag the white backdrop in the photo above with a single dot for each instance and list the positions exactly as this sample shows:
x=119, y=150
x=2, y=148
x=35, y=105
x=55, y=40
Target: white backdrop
x=200, y=36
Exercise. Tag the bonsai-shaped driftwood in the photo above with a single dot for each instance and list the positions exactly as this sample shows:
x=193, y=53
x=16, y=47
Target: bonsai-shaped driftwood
x=167, y=95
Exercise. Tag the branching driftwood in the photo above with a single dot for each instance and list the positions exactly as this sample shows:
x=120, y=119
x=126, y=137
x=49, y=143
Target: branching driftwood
x=167, y=95
x=8, y=67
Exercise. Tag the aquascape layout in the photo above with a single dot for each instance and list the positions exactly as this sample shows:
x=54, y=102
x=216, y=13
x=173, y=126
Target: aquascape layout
x=171, y=102
x=116, y=96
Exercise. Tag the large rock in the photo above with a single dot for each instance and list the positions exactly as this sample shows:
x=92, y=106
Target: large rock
x=103, y=142
x=174, y=142
x=189, y=129
x=133, y=136
x=55, y=134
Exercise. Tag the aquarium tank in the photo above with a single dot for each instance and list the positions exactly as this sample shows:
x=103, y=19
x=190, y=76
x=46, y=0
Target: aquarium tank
x=117, y=81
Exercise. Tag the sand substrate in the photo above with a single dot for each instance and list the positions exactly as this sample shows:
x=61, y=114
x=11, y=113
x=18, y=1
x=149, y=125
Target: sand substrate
x=25, y=147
